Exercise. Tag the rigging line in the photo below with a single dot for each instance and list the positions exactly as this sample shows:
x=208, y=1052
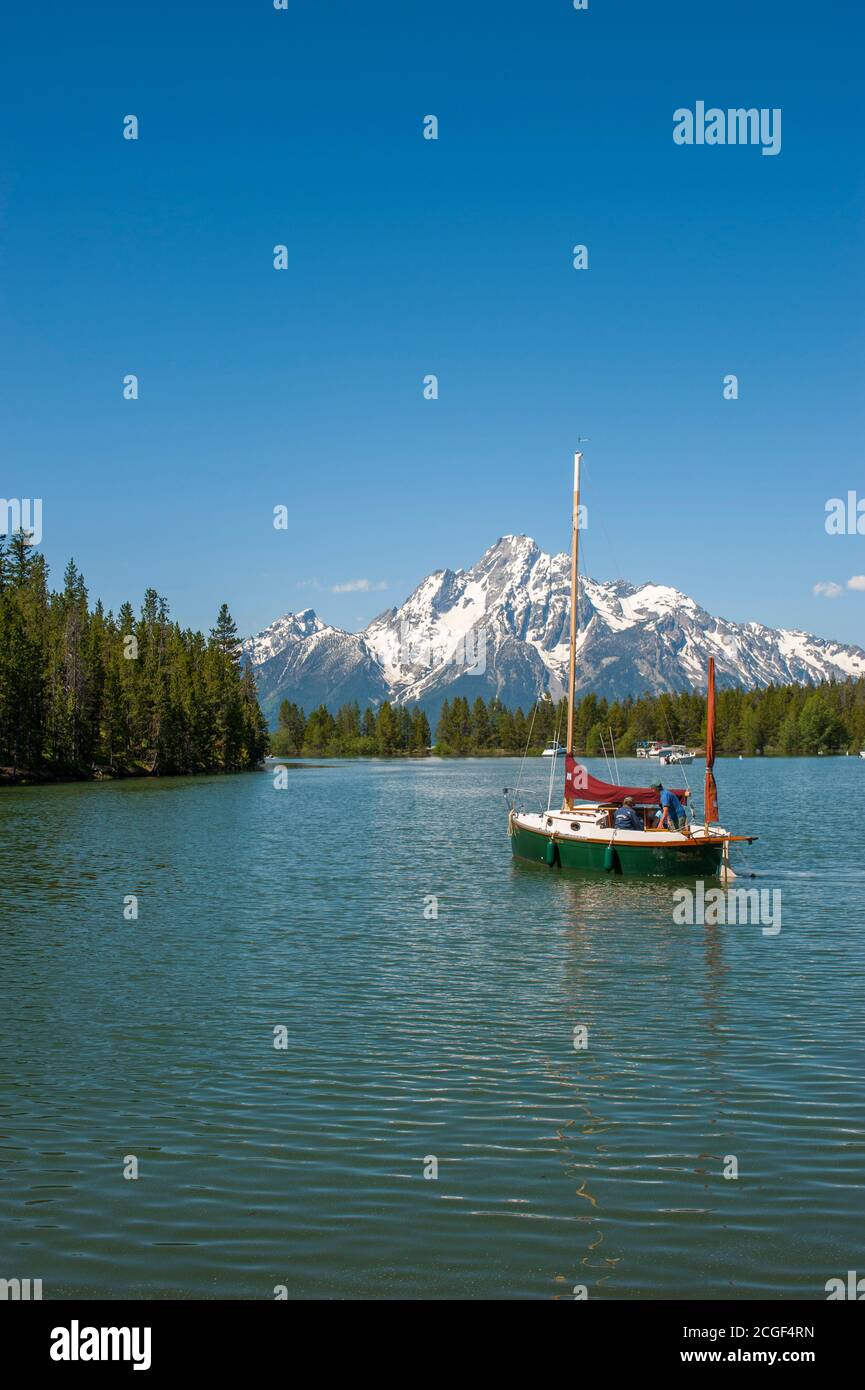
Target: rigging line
x=681, y=765
x=528, y=741
x=554, y=759
x=615, y=759
x=610, y=546
x=606, y=759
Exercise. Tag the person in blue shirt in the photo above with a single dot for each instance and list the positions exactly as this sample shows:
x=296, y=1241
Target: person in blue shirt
x=626, y=817
x=672, y=813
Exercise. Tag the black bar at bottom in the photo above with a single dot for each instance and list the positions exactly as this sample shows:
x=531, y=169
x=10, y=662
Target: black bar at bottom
x=162, y=1338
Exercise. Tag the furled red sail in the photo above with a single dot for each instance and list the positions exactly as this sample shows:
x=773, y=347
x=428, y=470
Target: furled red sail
x=711, y=791
x=580, y=785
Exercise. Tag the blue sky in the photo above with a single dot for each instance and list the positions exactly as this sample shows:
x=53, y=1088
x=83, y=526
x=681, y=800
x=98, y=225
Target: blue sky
x=452, y=257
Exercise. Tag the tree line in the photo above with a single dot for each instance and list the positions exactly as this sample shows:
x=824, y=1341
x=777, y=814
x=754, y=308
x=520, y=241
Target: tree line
x=789, y=719
x=389, y=731
x=85, y=692
x=778, y=719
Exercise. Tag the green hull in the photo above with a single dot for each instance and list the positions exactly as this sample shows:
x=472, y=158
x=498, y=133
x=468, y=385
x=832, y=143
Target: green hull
x=692, y=860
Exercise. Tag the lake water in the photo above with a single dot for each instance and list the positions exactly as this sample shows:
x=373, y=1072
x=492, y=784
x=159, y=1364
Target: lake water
x=411, y=1038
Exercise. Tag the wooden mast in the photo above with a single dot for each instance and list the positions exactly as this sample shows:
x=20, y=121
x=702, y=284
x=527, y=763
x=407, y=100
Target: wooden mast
x=710, y=795
x=575, y=549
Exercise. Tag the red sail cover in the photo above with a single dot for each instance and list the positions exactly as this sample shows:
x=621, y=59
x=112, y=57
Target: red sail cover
x=580, y=785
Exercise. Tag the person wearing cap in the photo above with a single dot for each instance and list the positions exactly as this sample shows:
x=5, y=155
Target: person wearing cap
x=671, y=816
x=626, y=817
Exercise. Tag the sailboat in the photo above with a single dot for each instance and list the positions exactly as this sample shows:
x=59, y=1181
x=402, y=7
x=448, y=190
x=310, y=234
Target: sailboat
x=582, y=834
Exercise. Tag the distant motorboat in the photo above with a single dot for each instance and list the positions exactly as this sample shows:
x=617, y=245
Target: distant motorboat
x=553, y=749
x=648, y=748
x=862, y=754
x=674, y=753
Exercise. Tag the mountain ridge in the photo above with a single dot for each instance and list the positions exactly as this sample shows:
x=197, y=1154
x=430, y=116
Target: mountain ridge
x=501, y=627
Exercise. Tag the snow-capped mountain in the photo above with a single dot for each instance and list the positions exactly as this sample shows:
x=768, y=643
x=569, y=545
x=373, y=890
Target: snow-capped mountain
x=501, y=628
x=301, y=658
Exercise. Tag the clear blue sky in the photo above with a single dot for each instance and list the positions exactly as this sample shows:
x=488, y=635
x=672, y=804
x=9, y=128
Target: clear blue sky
x=453, y=257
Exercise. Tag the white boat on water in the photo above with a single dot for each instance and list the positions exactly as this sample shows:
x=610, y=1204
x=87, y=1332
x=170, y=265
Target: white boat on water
x=674, y=753
x=648, y=748
x=553, y=749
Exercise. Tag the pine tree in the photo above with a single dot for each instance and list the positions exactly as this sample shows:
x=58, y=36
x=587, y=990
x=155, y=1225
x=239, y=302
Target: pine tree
x=420, y=731
x=320, y=732
x=443, y=727
x=291, y=727
x=387, y=730
x=225, y=644
x=481, y=726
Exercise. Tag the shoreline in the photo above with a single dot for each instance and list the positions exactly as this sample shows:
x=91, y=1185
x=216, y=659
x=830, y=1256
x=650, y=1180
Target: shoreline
x=27, y=777
x=699, y=760
x=53, y=777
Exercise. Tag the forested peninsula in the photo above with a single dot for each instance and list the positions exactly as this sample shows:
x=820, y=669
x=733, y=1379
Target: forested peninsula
x=89, y=694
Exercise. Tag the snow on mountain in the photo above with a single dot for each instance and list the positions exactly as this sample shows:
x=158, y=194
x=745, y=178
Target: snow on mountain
x=501, y=628
x=303, y=659
x=280, y=634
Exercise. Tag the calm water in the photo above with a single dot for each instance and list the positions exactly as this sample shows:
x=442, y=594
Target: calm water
x=411, y=1037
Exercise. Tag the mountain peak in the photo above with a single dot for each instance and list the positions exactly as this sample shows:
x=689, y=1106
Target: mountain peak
x=501, y=628
x=291, y=627
x=511, y=547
